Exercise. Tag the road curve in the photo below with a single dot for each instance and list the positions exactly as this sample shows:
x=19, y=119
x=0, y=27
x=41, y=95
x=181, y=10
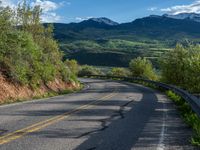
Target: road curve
x=106, y=115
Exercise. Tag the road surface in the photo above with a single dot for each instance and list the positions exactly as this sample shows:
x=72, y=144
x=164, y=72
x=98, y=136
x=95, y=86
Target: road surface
x=106, y=115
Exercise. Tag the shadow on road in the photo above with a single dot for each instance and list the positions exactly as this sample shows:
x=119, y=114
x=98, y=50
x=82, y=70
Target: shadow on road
x=119, y=129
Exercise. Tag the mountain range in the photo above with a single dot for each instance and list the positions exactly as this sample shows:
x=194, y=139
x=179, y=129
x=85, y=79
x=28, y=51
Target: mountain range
x=93, y=40
x=185, y=16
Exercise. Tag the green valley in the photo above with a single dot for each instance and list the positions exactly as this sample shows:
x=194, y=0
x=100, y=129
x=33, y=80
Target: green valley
x=103, y=42
x=113, y=52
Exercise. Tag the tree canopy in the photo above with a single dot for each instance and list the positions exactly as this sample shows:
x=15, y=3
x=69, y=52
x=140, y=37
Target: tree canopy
x=181, y=67
x=141, y=67
x=28, y=52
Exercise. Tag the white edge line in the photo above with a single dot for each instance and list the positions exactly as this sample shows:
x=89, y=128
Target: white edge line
x=161, y=145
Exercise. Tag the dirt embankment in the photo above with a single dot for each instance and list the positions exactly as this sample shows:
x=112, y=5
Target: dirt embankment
x=10, y=91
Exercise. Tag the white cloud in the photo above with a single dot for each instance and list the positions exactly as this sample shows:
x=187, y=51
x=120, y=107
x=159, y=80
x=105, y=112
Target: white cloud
x=64, y=3
x=152, y=9
x=83, y=18
x=48, y=10
x=51, y=17
x=46, y=5
x=5, y=3
x=191, y=8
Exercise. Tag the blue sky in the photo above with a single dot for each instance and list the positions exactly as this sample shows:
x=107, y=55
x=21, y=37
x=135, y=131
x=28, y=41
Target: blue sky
x=118, y=10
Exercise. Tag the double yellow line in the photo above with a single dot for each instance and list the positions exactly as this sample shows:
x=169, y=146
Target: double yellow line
x=40, y=125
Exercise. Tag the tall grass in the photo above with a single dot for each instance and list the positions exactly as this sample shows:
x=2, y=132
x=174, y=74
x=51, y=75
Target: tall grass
x=188, y=115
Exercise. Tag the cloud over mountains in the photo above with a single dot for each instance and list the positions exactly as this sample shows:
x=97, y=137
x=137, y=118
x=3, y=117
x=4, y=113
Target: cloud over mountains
x=191, y=8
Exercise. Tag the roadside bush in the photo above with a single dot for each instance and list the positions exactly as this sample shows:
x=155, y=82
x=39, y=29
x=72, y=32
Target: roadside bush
x=181, y=67
x=20, y=58
x=141, y=67
x=73, y=66
x=89, y=70
x=188, y=115
x=28, y=53
x=122, y=72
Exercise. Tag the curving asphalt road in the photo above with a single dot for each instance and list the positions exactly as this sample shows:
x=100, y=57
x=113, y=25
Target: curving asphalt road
x=107, y=115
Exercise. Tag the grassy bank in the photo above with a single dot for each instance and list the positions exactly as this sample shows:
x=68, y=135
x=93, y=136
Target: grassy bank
x=188, y=116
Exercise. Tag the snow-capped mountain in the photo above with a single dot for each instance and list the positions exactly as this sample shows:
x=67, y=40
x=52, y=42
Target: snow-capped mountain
x=104, y=21
x=188, y=16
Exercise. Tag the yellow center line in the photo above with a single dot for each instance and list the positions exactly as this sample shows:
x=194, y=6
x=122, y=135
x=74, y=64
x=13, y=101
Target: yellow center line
x=40, y=125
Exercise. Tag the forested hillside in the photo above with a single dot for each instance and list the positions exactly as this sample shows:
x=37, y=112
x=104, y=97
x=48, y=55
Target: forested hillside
x=96, y=42
x=29, y=56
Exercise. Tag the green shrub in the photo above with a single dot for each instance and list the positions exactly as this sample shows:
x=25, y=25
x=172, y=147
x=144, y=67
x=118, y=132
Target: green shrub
x=19, y=57
x=122, y=72
x=188, y=115
x=29, y=54
x=141, y=67
x=181, y=67
x=73, y=66
x=89, y=70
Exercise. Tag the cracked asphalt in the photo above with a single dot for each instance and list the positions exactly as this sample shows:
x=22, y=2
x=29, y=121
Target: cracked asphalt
x=107, y=115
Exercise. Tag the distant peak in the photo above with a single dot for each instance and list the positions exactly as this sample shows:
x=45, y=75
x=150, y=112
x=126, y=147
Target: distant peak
x=188, y=16
x=155, y=16
x=104, y=21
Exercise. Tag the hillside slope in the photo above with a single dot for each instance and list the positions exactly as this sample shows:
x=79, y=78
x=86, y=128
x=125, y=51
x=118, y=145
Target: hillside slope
x=11, y=92
x=30, y=60
x=158, y=27
x=98, y=43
